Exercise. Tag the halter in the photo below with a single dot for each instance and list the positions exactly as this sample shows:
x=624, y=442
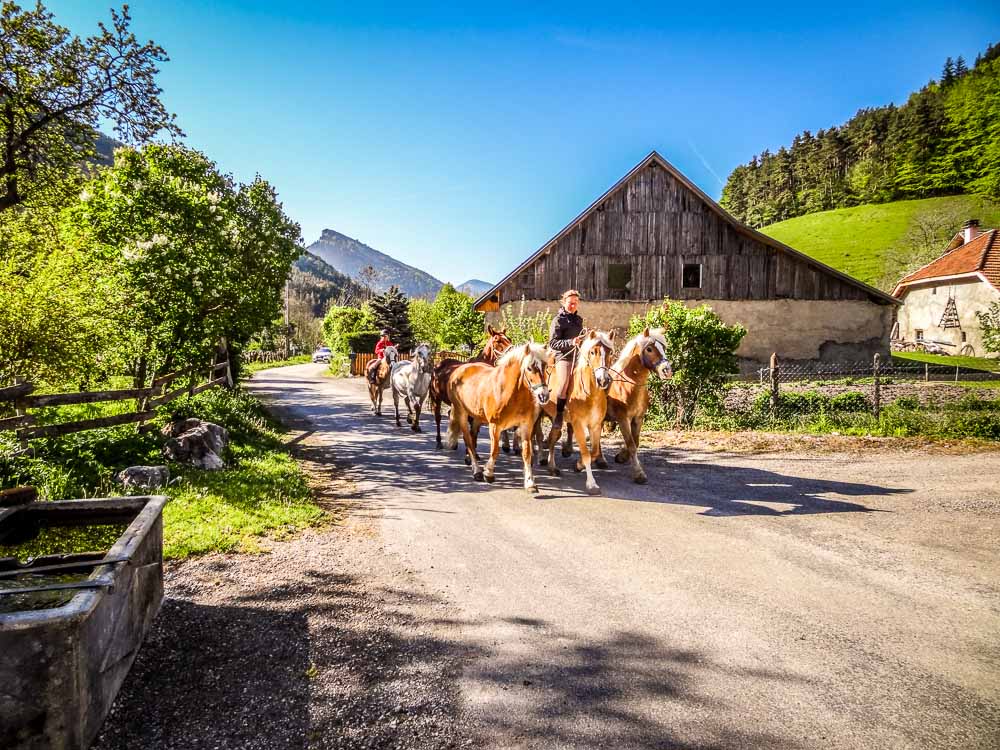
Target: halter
x=622, y=377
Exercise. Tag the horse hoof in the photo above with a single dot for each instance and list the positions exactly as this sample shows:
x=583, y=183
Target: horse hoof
x=595, y=490
x=554, y=472
x=490, y=478
x=601, y=463
x=641, y=479
x=439, y=445
x=478, y=476
x=621, y=459
x=468, y=461
x=543, y=461
x=567, y=452
x=532, y=488
x=578, y=467
x=416, y=428
x=506, y=449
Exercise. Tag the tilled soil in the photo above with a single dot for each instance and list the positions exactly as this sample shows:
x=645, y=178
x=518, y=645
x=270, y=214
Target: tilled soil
x=297, y=648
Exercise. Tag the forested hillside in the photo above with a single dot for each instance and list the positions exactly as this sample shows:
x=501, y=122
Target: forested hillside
x=944, y=141
x=316, y=283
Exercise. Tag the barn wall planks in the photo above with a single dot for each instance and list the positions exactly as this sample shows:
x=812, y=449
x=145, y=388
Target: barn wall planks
x=655, y=224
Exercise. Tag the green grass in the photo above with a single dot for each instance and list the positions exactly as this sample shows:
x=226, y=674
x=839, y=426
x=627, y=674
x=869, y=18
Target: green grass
x=973, y=363
x=856, y=240
x=261, y=493
x=249, y=368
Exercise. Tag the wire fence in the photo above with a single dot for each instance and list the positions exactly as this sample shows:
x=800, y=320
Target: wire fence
x=849, y=394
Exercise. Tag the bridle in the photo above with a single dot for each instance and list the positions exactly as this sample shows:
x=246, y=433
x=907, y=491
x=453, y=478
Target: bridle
x=623, y=378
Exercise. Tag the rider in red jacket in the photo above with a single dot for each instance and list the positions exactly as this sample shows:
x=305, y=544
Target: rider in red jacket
x=382, y=344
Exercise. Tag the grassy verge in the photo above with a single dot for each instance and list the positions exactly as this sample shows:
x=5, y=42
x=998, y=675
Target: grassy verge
x=973, y=363
x=249, y=368
x=261, y=494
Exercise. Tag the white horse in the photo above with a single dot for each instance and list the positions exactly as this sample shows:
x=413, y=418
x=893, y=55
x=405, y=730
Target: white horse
x=412, y=380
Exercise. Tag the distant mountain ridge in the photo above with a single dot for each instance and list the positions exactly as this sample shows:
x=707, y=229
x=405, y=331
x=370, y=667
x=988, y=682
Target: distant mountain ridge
x=474, y=287
x=351, y=257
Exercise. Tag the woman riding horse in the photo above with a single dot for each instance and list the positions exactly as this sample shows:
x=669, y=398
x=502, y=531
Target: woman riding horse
x=564, y=339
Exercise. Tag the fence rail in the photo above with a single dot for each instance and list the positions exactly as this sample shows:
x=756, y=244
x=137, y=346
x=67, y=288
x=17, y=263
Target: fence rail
x=915, y=371
x=360, y=360
x=22, y=397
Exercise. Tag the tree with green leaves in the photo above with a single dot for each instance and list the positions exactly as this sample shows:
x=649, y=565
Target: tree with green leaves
x=391, y=311
x=458, y=323
x=701, y=349
x=344, y=322
x=55, y=88
x=989, y=323
x=195, y=256
x=423, y=321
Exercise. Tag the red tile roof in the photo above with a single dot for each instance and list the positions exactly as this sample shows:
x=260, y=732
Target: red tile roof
x=981, y=255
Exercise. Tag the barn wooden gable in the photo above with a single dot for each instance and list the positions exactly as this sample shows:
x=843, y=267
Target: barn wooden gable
x=636, y=240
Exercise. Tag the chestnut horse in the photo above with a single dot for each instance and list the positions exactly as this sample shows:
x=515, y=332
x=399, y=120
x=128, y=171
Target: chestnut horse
x=377, y=375
x=511, y=394
x=586, y=402
x=498, y=343
x=628, y=396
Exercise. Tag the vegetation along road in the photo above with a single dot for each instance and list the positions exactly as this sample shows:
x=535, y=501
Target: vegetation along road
x=784, y=600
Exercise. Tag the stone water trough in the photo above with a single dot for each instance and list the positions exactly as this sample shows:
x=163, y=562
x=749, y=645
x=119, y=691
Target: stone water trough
x=88, y=576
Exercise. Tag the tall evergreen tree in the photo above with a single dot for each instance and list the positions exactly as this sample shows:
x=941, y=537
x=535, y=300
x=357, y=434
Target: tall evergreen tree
x=391, y=311
x=948, y=72
x=960, y=67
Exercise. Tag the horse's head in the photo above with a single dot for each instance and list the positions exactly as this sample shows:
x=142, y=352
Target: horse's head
x=422, y=358
x=391, y=354
x=653, y=352
x=595, y=353
x=532, y=359
x=497, y=344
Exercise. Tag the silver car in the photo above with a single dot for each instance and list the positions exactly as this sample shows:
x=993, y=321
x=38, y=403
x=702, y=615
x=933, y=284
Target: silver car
x=322, y=354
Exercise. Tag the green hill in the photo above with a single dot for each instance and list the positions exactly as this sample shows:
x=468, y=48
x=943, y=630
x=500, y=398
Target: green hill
x=881, y=242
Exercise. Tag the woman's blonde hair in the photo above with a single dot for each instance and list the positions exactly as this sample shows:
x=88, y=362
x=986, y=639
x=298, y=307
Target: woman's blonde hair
x=569, y=293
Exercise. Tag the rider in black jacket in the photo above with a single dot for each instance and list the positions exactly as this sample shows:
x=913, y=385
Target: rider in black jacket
x=564, y=338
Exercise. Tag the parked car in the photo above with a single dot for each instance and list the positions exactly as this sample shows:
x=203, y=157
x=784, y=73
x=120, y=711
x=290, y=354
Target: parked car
x=322, y=354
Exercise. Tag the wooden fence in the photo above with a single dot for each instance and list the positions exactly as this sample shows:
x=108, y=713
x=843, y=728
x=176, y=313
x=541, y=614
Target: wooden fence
x=160, y=391
x=360, y=360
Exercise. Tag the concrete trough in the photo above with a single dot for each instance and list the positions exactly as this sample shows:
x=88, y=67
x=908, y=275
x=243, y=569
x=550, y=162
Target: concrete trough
x=65, y=651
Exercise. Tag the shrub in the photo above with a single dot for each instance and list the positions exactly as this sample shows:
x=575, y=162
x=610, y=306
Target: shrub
x=907, y=402
x=363, y=341
x=702, y=351
x=521, y=327
x=853, y=401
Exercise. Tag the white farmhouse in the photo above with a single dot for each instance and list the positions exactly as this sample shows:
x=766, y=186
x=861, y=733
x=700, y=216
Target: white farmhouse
x=940, y=300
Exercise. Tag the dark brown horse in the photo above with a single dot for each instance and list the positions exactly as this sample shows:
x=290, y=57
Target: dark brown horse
x=498, y=343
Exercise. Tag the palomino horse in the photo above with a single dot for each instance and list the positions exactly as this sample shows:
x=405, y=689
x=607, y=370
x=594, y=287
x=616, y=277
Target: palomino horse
x=511, y=394
x=586, y=402
x=411, y=380
x=377, y=375
x=628, y=396
x=498, y=343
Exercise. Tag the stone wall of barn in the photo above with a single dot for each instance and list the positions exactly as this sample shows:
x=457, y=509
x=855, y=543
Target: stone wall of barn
x=924, y=306
x=799, y=330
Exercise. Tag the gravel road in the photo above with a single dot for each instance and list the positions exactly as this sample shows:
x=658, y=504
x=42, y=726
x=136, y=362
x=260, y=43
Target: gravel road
x=780, y=600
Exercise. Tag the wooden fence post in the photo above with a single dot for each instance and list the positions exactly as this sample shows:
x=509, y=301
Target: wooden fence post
x=927, y=372
x=20, y=411
x=775, y=395
x=956, y=373
x=878, y=390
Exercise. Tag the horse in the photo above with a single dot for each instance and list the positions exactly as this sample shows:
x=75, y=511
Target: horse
x=411, y=380
x=377, y=375
x=586, y=402
x=628, y=396
x=497, y=344
x=511, y=394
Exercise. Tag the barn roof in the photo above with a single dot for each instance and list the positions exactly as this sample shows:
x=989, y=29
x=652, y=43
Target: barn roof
x=654, y=157
x=980, y=257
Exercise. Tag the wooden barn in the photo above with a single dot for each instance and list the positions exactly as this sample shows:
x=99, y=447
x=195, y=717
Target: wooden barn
x=655, y=234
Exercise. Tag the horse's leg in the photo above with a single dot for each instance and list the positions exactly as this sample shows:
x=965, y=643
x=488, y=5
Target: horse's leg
x=638, y=473
x=567, y=448
x=505, y=441
x=550, y=461
x=491, y=464
x=596, y=451
x=626, y=426
x=584, y=462
x=395, y=403
x=415, y=425
x=529, y=475
x=625, y=454
x=470, y=447
x=436, y=408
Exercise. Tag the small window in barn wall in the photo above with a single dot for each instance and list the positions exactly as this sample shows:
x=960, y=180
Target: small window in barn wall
x=963, y=337
x=619, y=280
x=691, y=276
x=919, y=334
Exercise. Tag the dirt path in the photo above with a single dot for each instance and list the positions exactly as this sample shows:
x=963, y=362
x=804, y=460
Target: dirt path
x=778, y=600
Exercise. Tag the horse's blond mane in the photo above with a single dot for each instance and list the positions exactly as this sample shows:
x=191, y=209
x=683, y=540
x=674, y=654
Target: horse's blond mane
x=601, y=338
x=535, y=351
x=633, y=343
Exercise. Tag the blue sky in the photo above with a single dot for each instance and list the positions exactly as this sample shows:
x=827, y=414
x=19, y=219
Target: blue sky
x=460, y=139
